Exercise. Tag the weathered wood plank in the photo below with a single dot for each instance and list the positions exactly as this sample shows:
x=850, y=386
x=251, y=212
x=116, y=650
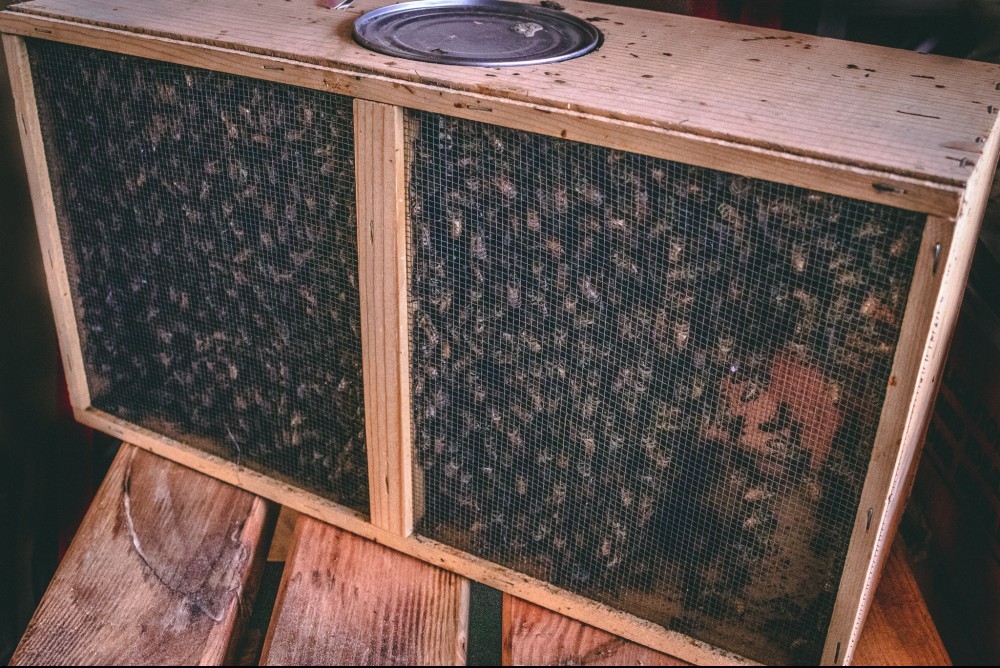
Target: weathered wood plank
x=160, y=572
x=534, y=636
x=900, y=630
x=348, y=601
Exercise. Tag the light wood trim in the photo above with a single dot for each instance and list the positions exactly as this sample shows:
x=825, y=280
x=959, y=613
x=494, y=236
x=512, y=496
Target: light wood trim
x=381, y=204
x=46, y=219
x=469, y=566
x=931, y=315
x=767, y=163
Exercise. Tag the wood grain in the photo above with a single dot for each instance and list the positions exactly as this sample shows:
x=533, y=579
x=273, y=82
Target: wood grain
x=430, y=551
x=855, y=104
x=302, y=44
x=345, y=600
x=534, y=636
x=160, y=572
x=899, y=630
x=382, y=228
x=53, y=258
x=931, y=315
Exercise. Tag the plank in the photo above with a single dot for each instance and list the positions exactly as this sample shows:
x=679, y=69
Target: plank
x=56, y=273
x=931, y=315
x=382, y=229
x=451, y=559
x=160, y=572
x=899, y=630
x=534, y=636
x=856, y=104
x=348, y=601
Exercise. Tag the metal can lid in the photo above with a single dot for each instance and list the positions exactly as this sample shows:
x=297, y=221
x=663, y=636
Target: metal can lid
x=484, y=33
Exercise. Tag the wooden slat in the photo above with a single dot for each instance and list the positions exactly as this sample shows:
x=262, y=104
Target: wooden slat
x=854, y=104
x=534, y=636
x=53, y=259
x=348, y=601
x=381, y=202
x=160, y=572
x=430, y=551
x=900, y=630
x=935, y=300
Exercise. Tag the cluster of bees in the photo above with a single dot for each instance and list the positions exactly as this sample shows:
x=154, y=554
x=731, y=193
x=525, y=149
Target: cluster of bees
x=211, y=228
x=622, y=365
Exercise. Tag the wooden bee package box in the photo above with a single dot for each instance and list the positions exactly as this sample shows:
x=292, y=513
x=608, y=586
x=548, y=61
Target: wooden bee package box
x=649, y=337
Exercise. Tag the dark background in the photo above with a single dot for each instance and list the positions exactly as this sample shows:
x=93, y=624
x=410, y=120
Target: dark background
x=49, y=467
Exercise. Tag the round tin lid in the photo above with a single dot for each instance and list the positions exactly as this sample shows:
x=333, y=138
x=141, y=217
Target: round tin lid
x=485, y=33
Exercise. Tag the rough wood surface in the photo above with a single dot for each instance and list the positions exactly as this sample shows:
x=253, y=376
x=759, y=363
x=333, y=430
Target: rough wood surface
x=348, y=601
x=160, y=572
x=899, y=630
x=853, y=106
x=855, y=103
x=46, y=221
x=382, y=224
x=534, y=636
x=936, y=298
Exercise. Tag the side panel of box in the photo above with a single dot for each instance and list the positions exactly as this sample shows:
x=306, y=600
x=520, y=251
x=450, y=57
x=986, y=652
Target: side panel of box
x=46, y=221
x=932, y=314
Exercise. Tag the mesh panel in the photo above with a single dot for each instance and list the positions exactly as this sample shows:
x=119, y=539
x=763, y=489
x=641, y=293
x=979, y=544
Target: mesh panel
x=651, y=384
x=209, y=227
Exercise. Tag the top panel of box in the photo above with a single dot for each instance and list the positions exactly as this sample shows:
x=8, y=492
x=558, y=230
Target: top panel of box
x=855, y=106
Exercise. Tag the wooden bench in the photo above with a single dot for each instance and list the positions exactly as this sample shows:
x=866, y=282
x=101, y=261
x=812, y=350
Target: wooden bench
x=166, y=566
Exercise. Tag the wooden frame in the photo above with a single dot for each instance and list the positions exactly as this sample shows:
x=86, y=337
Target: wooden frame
x=954, y=208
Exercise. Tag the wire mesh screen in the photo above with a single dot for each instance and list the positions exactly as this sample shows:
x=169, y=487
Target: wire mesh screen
x=209, y=227
x=651, y=384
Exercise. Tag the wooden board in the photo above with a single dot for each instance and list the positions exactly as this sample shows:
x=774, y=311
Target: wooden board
x=160, y=572
x=53, y=259
x=860, y=121
x=345, y=600
x=382, y=226
x=534, y=636
x=857, y=104
x=935, y=299
x=899, y=632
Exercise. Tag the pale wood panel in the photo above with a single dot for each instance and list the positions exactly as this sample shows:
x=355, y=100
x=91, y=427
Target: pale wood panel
x=672, y=144
x=453, y=560
x=47, y=224
x=935, y=298
x=534, y=636
x=348, y=601
x=900, y=630
x=160, y=572
x=381, y=201
x=856, y=105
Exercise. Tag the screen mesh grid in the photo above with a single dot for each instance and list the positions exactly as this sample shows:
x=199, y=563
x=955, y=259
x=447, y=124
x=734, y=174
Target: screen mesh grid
x=645, y=382
x=209, y=226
